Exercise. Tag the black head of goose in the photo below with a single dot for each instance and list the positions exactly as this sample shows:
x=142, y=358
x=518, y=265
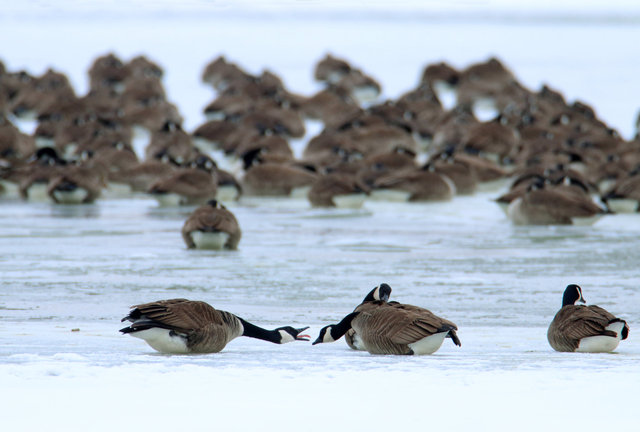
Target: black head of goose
x=394, y=328
x=181, y=326
x=211, y=226
x=372, y=300
x=578, y=328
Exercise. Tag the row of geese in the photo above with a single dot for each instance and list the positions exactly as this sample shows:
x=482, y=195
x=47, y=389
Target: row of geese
x=377, y=325
x=558, y=155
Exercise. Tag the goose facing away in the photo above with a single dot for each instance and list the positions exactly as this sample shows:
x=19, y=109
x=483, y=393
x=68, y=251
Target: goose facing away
x=394, y=328
x=181, y=326
x=211, y=226
x=577, y=328
x=376, y=296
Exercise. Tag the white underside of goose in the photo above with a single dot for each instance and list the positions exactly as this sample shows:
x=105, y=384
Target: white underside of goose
x=601, y=344
x=163, y=340
x=622, y=205
x=76, y=196
x=586, y=221
x=209, y=240
x=492, y=185
x=350, y=201
x=205, y=145
x=169, y=199
x=227, y=193
x=428, y=345
x=300, y=192
x=9, y=189
x=392, y=195
x=38, y=192
x=357, y=342
x=118, y=190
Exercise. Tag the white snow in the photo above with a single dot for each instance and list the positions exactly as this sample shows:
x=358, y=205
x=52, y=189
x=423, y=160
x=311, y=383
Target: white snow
x=79, y=268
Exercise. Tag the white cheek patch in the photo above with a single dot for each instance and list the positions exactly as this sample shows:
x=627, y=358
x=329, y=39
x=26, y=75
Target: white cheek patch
x=285, y=337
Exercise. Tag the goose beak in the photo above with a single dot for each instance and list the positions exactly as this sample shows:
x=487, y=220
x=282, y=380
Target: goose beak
x=582, y=300
x=317, y=341
x=303, y=337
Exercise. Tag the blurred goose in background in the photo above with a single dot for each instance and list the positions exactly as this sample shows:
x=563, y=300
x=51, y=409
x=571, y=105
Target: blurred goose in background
x=76, y=184
x=193, y=185
x=211, y=226
x=577, y=328
x=393, y=328
x=338, y=190
x=181, y=326
x=278, y=179
x=416, y=184
x=624, y=195
x=546, y=205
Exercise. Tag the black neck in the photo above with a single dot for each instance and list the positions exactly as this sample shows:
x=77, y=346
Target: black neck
x=254, y=331
x=338, y=330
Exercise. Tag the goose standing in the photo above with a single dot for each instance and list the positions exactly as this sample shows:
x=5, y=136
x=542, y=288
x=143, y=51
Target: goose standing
x=577, y=328
x=181, y=326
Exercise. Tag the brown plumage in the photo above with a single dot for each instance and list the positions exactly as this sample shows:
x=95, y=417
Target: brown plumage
x=184, y=326
x=394, y=328
x=276, y=179
x=541, y=205
x=327, y=188
x=573, y=324
x=420, y=184
x=212, y=218
x=191, y=185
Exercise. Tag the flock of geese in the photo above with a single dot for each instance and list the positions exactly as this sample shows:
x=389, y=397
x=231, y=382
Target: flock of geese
x=564, y=165
x=377, y=325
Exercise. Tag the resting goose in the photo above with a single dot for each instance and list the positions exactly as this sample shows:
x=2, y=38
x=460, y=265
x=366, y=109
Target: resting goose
x=577, y=328
x=376, y=296
x=211, y=226
x=394, y=328
x=181, y=326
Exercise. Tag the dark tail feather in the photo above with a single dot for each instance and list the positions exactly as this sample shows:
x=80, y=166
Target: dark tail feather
x=454, y=337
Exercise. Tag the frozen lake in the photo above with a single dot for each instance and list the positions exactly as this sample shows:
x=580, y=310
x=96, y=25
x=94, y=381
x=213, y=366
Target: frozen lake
x=69, y=273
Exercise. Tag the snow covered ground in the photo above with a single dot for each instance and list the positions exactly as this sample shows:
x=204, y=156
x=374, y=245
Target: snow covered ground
x=81, y=267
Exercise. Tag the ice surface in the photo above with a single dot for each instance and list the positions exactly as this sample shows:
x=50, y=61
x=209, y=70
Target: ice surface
x=69, y=273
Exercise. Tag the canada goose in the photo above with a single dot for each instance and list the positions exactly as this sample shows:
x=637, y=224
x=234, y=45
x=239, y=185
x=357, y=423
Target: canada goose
x=76, y=184
x=211, y=226
x=273, y=179
x=394, y=328
x=624, y=196
x=338, y=190
x=541, y=205
x=188, y=186
x=577, y=328
x=181, y=326
x=372, y=300
x=423, y=184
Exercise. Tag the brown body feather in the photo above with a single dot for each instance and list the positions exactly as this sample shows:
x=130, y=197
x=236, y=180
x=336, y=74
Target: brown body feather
x=575, y=322
x=209, y=218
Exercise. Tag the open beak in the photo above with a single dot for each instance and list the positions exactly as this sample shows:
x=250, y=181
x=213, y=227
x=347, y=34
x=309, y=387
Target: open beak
x=302, y=337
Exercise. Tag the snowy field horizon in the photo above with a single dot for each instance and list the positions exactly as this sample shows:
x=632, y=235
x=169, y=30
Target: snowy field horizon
x=70, y=273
